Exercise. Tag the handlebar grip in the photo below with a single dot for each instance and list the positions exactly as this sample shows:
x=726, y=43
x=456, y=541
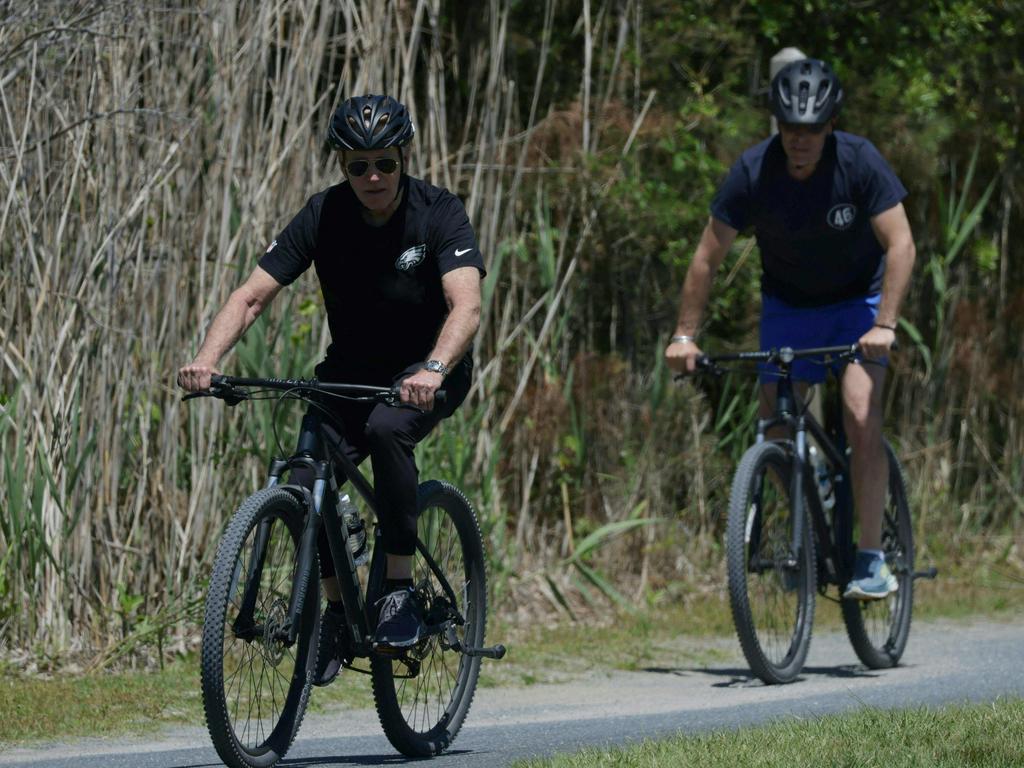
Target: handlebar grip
x=440, y=396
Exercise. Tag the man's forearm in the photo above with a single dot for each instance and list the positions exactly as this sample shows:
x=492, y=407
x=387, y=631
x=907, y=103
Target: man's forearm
x=233, y=320
x=456, y=334
x=696, y=289
x=899, y=263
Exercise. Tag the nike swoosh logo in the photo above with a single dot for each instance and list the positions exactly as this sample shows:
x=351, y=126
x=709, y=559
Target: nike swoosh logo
x=464, y=250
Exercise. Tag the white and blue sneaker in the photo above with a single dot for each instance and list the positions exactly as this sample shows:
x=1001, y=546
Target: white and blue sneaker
x=872, y=579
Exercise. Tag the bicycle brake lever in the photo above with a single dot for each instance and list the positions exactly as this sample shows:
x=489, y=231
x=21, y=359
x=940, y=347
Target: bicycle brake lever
x=234, y=398
x=228, y=394
x=705, y=364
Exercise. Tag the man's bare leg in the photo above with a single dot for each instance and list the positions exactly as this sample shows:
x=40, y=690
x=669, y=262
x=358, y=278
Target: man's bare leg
x=862, y=388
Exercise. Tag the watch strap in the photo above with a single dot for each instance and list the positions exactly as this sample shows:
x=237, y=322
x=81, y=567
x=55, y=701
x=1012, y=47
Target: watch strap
x=436, y=366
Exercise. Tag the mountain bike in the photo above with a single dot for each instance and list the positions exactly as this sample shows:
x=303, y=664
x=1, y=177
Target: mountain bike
x=783, y=544
x=262, y=624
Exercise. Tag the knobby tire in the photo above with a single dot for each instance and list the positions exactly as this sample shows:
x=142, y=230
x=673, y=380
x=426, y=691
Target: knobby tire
x=255, y=686
x=772, y=600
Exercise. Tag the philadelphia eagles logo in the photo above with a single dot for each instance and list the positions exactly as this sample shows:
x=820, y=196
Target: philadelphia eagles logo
x=841, y=216
x=411, y=257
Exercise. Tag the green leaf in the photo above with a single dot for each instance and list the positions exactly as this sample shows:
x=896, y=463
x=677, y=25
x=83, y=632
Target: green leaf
x=605, y=533
x=603, y=584
x=915, y=336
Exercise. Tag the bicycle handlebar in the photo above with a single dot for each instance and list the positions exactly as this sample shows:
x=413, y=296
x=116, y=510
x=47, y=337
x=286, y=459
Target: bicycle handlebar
x=781, y=354
x=229, y=389
x=785, y=355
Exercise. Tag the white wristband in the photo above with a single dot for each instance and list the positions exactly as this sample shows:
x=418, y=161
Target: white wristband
x=682, y=340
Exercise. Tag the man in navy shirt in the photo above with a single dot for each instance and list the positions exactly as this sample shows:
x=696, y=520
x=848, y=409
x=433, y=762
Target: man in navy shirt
x=399, y=269
x=836, y=256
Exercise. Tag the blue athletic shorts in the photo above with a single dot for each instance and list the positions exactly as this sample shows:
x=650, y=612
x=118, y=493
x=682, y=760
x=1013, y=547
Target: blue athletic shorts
x=783, y=325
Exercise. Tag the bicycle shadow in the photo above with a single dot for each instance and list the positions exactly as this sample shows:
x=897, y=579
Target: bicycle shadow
x=388, y=759
x=342, y=760
x=742, y=678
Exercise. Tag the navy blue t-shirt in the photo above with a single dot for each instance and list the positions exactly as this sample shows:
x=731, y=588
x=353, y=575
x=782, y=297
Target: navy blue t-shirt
x=815, y=237
x=381, y=285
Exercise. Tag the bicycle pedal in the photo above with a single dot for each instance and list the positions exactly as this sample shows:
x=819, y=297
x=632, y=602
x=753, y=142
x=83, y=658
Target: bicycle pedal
x=388, y=650
x=493, y=652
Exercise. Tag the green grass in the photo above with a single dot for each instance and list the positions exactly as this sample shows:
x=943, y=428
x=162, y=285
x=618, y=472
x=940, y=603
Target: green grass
x=106, y=704
x=690, y=630
x=974, y=736
x=97, y=705
x=662, y=636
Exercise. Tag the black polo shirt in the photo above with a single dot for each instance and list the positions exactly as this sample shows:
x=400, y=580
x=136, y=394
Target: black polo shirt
x=381, y=285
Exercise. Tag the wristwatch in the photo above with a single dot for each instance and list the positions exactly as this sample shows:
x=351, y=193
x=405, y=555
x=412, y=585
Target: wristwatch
x=436, y=366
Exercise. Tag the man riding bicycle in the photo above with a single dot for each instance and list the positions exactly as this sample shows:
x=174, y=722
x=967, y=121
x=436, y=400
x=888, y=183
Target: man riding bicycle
x=836, y=255
x=399, y=271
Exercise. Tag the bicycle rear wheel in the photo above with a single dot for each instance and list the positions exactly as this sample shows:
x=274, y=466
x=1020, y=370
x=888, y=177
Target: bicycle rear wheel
x=771, y=587
x=879, y=629
x=255, y=683
x=423, y=695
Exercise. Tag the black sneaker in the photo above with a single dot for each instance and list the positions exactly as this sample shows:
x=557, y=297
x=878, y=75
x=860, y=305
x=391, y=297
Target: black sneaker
x=401, y=619
x=328, y=660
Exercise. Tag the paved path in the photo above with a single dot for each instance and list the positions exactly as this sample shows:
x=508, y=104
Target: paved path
x=945, y=662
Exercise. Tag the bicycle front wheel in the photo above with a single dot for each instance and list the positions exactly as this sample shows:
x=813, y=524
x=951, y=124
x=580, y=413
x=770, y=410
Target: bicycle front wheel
x=879, y=629
x=423, y=695
x=771, y=586
x=255, y=682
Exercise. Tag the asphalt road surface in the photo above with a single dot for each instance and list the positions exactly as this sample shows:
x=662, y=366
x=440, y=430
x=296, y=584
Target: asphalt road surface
x=945, y=662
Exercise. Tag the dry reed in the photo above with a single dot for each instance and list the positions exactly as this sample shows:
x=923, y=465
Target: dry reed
x=148, y=155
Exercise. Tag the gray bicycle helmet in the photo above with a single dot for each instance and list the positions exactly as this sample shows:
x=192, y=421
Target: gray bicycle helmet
x=806, y=92
x=370, y=122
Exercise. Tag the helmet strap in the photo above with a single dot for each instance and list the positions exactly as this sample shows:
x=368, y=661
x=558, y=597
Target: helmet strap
x=401, y=173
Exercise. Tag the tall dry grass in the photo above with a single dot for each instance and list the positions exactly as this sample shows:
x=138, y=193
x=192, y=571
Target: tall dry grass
x=148, y=155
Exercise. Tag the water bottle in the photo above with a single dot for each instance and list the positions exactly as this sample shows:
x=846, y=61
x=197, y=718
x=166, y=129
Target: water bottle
x=356, y=529
x=823, y=480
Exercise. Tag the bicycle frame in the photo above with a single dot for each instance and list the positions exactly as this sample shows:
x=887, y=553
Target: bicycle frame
x=792, y=414
x=322, y=502
x=804, y=495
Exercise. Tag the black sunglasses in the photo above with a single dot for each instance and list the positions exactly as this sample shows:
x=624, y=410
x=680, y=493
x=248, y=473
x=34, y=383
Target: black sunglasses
x=815, y=129
x=385, y=165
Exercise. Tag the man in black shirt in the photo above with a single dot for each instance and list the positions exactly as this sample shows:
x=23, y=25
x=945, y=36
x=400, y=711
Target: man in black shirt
x=399, y=271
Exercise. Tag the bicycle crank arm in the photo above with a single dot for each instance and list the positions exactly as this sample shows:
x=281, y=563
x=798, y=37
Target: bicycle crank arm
x=930, y=573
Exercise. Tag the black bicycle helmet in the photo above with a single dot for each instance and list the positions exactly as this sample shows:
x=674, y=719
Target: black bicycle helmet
x=806, y=92
x=370, y=122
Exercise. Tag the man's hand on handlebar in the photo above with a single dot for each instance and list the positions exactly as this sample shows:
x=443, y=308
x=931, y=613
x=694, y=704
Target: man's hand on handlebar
x=682, y=357
x=877, y=342
x=419, y=389
x=195, y=377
